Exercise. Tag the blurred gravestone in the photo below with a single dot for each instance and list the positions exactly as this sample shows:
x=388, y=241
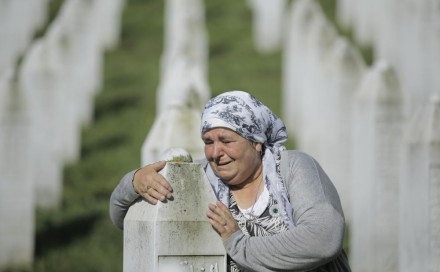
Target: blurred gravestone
x=344, y=70
x=420, y=192
x=377, y=144
x=300, y=18
x=314, y=98
x=39, y=83
x=16, y=177
x=268, y=24
x=185, y=56
x=174, y=236
x=179, y=126
x=19, y=21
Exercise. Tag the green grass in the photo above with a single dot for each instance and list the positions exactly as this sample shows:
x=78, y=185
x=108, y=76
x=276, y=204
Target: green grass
x=79, y=236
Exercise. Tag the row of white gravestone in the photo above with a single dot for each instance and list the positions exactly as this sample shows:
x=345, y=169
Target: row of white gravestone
x=175, y=236
x=184, y=61
x=320, y=73
x=183, y=89
x=19, y=21
x=376, y=151
x=353, y=118
x=406, y=33
x=45, y=101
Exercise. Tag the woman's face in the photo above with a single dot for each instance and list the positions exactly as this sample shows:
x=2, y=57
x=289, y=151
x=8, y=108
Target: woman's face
x=234, y=159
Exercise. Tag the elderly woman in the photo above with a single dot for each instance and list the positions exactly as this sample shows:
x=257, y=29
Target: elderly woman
x=276, y=211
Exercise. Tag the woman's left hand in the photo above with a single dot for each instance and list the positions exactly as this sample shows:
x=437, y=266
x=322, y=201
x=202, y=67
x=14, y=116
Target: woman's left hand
x=221, y=219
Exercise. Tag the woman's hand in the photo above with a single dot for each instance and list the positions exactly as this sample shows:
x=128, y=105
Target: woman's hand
x=151, y=185
x=221, y=219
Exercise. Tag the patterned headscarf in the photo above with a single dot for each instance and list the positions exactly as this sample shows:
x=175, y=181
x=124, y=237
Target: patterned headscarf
x=247, y=116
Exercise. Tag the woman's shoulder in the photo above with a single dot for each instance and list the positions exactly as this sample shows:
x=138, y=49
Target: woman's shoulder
x=296, y=155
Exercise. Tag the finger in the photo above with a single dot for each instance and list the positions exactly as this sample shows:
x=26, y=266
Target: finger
x=215, y=223
x=157, y=166
x=213, y=213
x=158, y=178
x=222, y=210
x=150, y=199
x=152, y=193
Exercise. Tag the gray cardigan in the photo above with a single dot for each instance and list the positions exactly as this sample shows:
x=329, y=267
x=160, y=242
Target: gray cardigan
x=315, y=244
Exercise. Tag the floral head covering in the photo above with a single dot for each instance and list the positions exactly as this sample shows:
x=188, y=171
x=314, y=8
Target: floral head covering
x=247, y=116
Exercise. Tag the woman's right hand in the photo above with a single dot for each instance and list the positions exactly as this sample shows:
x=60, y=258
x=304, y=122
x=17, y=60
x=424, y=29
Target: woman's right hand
x=151, y=185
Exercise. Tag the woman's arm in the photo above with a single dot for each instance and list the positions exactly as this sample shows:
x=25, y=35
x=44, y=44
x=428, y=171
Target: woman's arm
x=122, y=198
x=144, y=182
x=318, y=235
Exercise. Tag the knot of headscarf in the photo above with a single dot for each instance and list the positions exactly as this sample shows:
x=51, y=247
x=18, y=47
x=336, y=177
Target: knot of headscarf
x=247, y=116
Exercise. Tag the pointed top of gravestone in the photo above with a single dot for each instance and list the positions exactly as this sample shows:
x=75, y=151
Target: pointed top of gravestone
x=348, y=58
x=176, y=154
x=380, y=84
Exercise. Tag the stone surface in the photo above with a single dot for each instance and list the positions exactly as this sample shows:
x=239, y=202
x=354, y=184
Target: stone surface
x=174, y=236
x=179, y=126
x=19, y=21
x=39, y=83
x=344, y=71
x=419, y=221
x=299, y=21
x=16, y=177
x=176, y=155
x=184, y=61
x=268, y=24
x=377, y=144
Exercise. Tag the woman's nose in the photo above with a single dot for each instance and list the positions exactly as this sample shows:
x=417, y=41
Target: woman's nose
x=217, y=151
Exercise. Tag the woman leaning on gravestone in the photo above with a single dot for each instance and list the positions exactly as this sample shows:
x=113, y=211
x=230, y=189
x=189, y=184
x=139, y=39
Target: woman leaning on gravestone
x=276, y=211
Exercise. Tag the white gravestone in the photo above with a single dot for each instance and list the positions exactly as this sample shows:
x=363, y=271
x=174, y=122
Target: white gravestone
x=377, y=145
x=419, y=247
x=39, y=83
x=16, y=177
x=19, y=21
x=57, y=51
x=174, y=236
x=111, y=12
x=300, y=18
x=185, y=56
x=179, y=126
x=268, y=24
x=182, y=83
x=314, y=98
x=344, y=71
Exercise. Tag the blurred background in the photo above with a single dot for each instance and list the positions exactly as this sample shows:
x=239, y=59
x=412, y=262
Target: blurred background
x=81, y=84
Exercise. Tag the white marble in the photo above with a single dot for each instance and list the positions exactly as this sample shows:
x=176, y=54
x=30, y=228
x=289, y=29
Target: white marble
x=299, y=20
x=179, y=126
x=419, y=219
x=344, y=71
x=16, y=176
x=314, y=98
x=377, y=145
x=184, y=61
x=19, y=21
x=268, y=19
x=39, y=83
x=174, y=236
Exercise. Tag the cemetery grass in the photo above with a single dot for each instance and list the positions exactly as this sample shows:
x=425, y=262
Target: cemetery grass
x=79, y=236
